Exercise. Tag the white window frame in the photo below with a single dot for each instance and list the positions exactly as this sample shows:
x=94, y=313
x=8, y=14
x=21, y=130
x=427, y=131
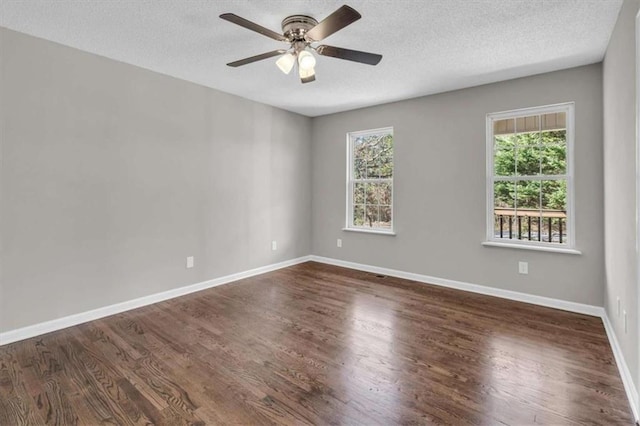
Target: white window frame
x=351, y=181
x=569, y=109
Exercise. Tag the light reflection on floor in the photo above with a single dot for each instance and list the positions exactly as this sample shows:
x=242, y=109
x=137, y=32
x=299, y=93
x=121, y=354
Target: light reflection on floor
x=372, y=361
x=517, y=364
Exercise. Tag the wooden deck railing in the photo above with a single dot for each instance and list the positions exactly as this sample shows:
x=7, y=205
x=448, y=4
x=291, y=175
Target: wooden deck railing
x=510, y=223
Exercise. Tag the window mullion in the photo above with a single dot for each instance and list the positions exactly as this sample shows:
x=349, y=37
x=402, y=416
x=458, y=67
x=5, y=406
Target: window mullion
x=530, y=177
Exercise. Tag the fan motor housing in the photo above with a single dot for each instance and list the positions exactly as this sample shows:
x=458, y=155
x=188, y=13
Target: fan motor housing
x=295, y=26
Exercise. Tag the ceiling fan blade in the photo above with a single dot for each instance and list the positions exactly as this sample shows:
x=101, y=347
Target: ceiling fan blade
x=339, y=19
x=349, y=55
x=252, y=26
x=260, y=57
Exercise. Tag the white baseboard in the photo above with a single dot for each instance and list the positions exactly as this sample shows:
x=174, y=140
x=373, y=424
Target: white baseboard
x=625, y=374
x=71, y=320
x=596, y=311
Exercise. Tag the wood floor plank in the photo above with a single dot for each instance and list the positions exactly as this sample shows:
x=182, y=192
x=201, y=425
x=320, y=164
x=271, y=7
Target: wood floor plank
x=319, y=344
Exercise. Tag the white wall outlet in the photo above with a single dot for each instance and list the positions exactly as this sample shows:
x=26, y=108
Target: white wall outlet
x=190, y=262
x=618, y=309
x=624, y=319
x=274, y=245
x=339, y=243
x=523, y=267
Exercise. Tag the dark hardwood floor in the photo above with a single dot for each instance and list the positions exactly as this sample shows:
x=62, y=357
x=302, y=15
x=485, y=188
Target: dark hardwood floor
x=317, y=344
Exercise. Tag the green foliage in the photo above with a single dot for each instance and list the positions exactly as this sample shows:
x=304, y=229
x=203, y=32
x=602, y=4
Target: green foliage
x=531, y=154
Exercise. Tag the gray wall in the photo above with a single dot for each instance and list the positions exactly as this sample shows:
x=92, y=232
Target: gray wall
x=112, y=175
x=619, y=182
x=440, y=188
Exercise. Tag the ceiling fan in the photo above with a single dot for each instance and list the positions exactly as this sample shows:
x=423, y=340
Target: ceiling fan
x=300, y=32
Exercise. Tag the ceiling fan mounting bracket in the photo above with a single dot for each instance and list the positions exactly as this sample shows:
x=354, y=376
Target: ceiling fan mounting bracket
x=295, y=27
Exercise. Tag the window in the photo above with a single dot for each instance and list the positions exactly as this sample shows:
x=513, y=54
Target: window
x=529, y=176
x=370, y=181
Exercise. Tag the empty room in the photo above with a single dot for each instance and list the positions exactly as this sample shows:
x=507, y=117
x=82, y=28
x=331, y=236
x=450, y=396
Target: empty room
x=243, y=212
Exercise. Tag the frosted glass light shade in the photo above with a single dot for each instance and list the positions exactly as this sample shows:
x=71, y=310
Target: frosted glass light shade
x=306, y=73
x=285, y=62
x=306, y=60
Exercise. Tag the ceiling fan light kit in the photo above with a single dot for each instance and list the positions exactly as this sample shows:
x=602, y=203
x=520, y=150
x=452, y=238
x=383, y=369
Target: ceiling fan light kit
x=286, y=62
x=306, y=60
x=301, y=32
x=307, y=75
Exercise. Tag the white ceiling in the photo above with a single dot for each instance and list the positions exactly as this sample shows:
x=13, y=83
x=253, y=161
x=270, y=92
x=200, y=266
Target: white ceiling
x=428, y=46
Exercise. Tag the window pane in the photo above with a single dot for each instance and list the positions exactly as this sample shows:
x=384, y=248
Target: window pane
x=554, y=153
x=386, y=170
x=373, y=193
x=504, y=142
x=499, y=226
x=504, y=212
x=358, y=193
x=504, y=127
x=504, y=195
x=371, y=216
x=554, y=195
x=359, y=163
x=554, y=218
x=527, y=139
x=504, y=163
x=361, y=155
x=554, y=228
x=377, y=153
x=558, y=137
x=373, y=169
x=385, y=217
x=385, y=194
x=385, y=156
x=554, y=120
x=528, y=196
x=528, y=160
x=378, y=193
x=359, y=168
x=529, y=225
x=554, y=159
x=504, y=223
x=358, y=215
x=528, y=124
x=367, y=157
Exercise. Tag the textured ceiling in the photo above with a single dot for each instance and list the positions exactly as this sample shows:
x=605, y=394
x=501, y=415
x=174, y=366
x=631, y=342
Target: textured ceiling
x=428, y=46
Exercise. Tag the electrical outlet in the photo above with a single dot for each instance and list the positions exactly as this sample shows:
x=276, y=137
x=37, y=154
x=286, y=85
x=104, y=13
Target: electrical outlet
x=339, y=243
x=618, y=309
x=274, y=245
x=190, y=262
x=523, y=268
x=624, y=319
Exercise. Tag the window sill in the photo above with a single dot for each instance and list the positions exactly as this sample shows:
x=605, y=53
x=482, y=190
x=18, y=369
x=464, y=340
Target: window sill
x=370, y=231
x=531, y=247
